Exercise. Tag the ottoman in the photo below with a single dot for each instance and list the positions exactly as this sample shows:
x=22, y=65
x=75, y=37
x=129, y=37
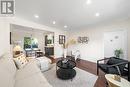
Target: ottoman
x=44, y=63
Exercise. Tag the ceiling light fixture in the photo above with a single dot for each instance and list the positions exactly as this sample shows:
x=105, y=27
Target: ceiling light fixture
x=54, y=22
x=88, y=2
x=97, y=14
x=36, y=16
x=65, y=26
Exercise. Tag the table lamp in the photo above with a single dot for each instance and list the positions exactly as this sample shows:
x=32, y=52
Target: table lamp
x=17, y=50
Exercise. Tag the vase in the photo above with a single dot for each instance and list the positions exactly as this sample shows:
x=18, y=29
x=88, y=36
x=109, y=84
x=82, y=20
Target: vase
x=65, y=53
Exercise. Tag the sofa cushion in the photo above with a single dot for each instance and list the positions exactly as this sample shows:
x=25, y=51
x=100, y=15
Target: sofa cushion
x=36, y=80
x=7, y=71
x=7, y=63
x=114, y=60
x=30, y=69
x=31, y=76
x=112, y=70
x=6, y=79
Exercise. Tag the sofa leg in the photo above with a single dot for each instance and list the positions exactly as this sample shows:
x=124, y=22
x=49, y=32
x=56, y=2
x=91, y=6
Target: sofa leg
x=97, y=71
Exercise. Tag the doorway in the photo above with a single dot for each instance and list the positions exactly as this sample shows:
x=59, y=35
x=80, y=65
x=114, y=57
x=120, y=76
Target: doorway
x=31, y=41
x=116, y=40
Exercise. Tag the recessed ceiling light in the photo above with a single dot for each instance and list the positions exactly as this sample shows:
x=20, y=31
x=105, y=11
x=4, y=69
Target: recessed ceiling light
x=54, y=22
x=36, y=16
x=97, y=14
x=88, y=2
x=65, y=26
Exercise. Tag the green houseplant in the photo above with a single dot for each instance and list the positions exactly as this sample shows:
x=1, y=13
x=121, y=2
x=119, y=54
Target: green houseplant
x=118, y=53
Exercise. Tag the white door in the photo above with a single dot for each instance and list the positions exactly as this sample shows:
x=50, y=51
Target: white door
x=115, y=40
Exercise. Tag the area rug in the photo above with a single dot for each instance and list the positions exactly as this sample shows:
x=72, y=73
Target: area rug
x=82, y=79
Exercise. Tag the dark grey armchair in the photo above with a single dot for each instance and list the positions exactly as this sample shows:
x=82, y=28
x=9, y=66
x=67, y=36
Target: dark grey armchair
x=114, y=65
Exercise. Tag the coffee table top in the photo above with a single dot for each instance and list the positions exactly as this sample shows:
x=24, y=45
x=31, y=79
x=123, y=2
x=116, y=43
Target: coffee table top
x=70, y=64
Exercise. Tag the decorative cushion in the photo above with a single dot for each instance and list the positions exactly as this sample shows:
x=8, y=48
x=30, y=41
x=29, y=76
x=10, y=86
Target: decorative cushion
x=20, y=61
x=111, y=61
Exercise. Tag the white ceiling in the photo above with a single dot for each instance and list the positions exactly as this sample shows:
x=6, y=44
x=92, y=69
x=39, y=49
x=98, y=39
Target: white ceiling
x=73, y=13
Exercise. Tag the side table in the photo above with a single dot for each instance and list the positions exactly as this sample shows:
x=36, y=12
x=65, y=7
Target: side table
x=113, y=83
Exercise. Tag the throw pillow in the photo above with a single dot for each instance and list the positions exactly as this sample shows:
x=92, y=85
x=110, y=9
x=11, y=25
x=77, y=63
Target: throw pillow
x=20, y=61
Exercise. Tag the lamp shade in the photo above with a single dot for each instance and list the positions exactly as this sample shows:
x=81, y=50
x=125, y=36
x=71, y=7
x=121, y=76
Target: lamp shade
x=17, y=48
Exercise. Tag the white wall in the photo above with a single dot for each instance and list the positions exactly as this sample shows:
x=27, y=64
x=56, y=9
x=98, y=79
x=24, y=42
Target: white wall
x=5, y=30
x=94, y=50
x=4, y=36
x=113, y=41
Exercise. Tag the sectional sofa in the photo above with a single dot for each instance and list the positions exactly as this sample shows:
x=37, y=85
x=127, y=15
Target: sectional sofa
x=29, y=76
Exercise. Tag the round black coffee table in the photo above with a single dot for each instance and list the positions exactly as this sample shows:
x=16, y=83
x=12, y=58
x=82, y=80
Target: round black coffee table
x=66, y=69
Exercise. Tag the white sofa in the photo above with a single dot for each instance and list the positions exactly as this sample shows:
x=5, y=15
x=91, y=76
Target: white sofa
x=29, y=76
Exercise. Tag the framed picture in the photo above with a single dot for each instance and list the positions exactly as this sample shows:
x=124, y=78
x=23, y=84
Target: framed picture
x=61, y=39
x=83, y=39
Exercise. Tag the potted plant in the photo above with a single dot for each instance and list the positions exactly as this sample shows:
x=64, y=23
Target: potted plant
x=118, y=53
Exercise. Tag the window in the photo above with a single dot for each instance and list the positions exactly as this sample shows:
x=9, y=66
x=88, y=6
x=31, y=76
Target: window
x=30, y=43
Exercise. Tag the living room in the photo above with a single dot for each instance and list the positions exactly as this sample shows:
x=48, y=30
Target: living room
x=66, y=49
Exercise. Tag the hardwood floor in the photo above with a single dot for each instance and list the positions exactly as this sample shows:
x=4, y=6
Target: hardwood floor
x=92, y=68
